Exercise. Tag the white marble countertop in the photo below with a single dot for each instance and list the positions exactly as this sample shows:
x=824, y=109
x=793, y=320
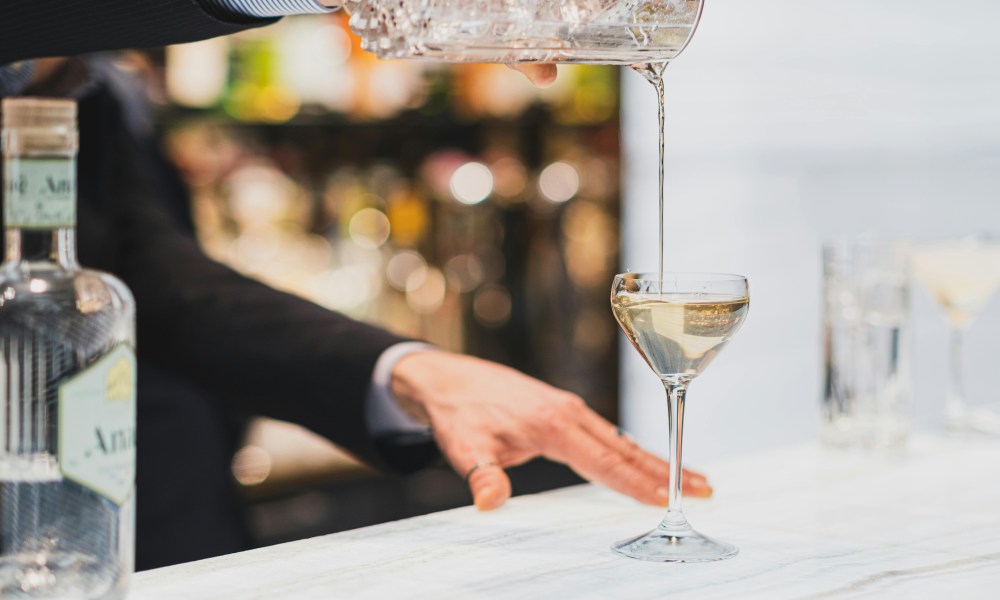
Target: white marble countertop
x=810, y=523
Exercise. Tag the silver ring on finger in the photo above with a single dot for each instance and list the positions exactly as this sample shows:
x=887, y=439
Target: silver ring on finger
x=485, y=464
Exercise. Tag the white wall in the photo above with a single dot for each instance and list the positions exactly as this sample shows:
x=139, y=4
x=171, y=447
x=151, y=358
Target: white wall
x=791, y=121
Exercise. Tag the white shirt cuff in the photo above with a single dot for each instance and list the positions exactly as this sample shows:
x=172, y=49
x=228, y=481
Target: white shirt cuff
x=276, y=8
x=382, y=412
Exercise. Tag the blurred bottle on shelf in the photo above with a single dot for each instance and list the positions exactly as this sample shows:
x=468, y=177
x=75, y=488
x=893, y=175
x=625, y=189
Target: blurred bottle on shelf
x=314, y=66
x=256, y=92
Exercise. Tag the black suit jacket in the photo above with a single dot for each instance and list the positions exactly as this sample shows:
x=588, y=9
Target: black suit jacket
x=212, y=344
x=40, y=28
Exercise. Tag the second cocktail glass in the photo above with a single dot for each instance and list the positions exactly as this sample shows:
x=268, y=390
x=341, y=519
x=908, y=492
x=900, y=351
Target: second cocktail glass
x=678, y=324
x=962, y=275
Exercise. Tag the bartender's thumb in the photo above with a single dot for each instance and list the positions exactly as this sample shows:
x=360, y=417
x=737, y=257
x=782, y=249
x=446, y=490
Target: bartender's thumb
x=490, y=486
x=540, y=74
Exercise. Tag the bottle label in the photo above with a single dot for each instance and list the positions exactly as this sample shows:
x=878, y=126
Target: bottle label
x=39, y=193
x=97, y=426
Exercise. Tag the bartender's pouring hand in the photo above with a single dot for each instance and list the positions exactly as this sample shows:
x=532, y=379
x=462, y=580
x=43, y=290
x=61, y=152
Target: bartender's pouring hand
x=486, y=416
x=540, y=74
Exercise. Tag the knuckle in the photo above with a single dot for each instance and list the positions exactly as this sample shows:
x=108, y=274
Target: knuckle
x=550, y=432
x=557, y=424
x=608, y=461
x=630, y=445
x=630, y=453
x=569, y=401
x=556, y=415
x=562, y=405
x=546, y=414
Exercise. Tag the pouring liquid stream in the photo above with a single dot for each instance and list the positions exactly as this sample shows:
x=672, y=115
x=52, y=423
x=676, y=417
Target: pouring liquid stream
x=653, y=73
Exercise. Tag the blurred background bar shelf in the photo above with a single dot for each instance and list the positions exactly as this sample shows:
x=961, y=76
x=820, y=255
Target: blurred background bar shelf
x=456, y=204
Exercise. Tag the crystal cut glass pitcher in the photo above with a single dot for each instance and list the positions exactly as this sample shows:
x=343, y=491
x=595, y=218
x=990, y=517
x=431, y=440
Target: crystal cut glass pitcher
x=582, y=31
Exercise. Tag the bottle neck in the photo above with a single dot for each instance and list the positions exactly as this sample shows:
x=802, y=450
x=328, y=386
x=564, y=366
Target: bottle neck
x=56, y=246
x=39, y=195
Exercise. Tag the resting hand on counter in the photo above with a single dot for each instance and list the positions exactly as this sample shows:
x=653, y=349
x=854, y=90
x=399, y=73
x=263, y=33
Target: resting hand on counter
x=486, y=416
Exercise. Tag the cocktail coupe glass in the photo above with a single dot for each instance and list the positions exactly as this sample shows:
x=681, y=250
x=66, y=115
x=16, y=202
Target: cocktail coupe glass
x=678, y=324
x=962, y=275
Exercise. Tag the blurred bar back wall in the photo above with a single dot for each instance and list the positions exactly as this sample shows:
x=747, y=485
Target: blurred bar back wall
x=455, y=204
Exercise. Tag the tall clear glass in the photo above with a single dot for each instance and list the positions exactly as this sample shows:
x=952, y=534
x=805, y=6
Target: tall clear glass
x=866, y=371
x=678, y=324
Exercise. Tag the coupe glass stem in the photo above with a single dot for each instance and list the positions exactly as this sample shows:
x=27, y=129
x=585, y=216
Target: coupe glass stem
x=955, y=405
x=676, y=391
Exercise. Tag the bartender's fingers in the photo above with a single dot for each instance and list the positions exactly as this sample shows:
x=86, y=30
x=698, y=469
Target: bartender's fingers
x=695, y=484
x=481, y=469
x=490, y=486
x=540, y=74
x=598, y=462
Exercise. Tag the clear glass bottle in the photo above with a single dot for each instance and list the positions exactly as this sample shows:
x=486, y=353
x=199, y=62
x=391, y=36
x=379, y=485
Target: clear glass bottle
x=67, y=379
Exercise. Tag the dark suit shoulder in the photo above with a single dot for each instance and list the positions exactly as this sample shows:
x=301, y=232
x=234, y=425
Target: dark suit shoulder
x=41, y=28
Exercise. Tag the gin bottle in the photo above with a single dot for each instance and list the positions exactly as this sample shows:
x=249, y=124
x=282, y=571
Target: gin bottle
x=67, y=379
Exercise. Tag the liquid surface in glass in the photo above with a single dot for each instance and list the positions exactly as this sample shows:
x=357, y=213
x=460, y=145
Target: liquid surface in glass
x=678, y=335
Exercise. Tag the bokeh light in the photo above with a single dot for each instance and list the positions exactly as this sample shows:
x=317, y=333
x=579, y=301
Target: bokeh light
x=406, y=270
x=260, y=195
x=471, y=183
x=369, y=228
x=559, y=182
x=344, y=288
x=464, y=272
x=408, y=218
x=38, y=286
x=510, y=177
x=336, y=43
x=492, y=305
x=591, y=240
x=196, y=73
x=438, y=167
x=429, y=296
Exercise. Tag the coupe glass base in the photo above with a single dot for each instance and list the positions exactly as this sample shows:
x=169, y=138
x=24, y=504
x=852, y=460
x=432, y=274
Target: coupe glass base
x=661, y=545
x=983, y=419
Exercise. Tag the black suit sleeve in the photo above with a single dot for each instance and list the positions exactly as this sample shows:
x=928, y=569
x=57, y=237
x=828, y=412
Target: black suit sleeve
x=41, y=28
x=263, y=351
x=269, y=352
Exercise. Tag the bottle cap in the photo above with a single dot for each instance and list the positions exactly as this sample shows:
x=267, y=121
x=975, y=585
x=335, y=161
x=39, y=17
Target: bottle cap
x=38, y=112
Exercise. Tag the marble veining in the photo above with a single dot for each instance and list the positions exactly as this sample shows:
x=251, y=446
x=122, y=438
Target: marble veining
x=811, y=523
